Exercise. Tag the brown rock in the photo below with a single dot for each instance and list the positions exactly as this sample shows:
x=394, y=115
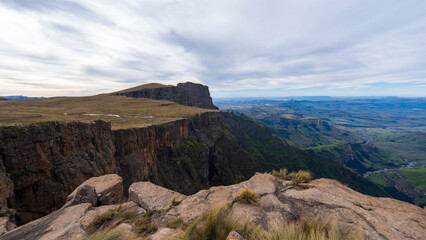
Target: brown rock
x=152, y=197
x=164, y=234
x=380, y=218
x=109, y=188
x=234, y=236
x=6, y=225
x=83, y=194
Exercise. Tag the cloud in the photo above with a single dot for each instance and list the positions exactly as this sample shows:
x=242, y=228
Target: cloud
x=78, y=47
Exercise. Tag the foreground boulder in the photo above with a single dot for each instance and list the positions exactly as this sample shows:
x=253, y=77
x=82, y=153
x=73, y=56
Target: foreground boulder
x=69, y=223
x=108, y=188
x=152, y=197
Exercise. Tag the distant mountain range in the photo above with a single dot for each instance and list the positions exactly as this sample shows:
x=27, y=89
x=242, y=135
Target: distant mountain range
x=18, y=97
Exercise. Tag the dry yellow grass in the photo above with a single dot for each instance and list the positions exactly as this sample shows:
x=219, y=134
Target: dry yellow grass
x=145, y=86
x=121, y=111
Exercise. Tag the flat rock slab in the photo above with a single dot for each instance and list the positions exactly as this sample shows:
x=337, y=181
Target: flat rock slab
x=152, y=197
x=109, y=189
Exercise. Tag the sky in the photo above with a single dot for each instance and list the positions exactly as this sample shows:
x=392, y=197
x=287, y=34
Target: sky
x=240, y=48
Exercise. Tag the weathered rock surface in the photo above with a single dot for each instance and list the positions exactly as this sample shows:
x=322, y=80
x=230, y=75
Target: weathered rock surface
x=188, y=94
x=234, y=236
x=152, y=197
x=165, y=234
x=83, y=194
x=108, y=189
x=6, y=225
x=380, y=218
x=67, y=223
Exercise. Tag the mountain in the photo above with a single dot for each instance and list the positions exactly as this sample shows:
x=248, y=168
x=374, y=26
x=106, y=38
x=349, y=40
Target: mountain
x=188, y=94
x=263, y=207
x=19, y=97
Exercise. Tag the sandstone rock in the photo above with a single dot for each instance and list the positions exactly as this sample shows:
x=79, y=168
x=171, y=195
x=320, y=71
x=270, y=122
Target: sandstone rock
x=234, y=236
x=67, y=223
x=84, y=194
x=164, y=234
x=6, y=225
x=380, y=218
x=152, y=197
x=109, y=189
x=61, y=224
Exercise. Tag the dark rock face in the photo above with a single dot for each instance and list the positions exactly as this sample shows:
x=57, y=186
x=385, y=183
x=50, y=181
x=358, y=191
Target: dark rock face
x=188, y=94
x=2, y=99
x=47, y=161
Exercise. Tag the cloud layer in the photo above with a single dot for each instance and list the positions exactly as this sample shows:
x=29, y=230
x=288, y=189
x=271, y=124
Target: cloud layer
x=78, y=47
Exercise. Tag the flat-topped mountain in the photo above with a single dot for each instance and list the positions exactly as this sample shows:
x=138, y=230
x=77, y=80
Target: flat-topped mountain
x=188, y=94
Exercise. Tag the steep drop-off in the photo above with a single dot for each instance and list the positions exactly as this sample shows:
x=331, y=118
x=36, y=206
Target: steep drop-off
x=47, y=161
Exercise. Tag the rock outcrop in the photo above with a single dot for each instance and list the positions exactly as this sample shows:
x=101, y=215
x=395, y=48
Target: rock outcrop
x=152, y=197
x=278, y=201
x=188, y=94
x=108, y=189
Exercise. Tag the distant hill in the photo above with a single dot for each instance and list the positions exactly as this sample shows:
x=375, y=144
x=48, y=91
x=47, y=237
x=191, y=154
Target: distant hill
x=18, y=97
x=360, y=157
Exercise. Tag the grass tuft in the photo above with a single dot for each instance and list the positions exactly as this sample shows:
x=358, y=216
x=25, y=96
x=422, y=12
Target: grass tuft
x=301, y=177
x=247, y=197
x=282, y=173
x=219, y=223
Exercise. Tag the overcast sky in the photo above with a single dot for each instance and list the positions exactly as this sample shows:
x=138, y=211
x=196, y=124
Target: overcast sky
x=236, y=47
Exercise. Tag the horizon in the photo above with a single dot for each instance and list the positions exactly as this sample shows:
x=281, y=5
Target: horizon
x=238, y=49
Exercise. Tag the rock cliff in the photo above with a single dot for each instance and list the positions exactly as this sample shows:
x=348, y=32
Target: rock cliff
x=41, y=164
x=188, y=94
x=47, y=161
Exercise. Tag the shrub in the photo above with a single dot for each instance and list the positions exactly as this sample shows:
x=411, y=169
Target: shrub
x=301, y=177
x=248, y=197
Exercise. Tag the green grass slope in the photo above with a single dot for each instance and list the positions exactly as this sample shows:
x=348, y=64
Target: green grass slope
x=360, y=157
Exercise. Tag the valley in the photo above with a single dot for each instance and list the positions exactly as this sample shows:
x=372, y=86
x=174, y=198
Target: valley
x=370, y=135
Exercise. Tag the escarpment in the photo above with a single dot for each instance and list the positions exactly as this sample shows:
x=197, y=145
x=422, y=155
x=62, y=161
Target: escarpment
x=47, y=161
x=188, y=94
x=42, y=163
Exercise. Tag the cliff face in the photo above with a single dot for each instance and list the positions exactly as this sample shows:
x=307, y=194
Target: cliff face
x=47, y=161
x=186, y=155
x=188, y=94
